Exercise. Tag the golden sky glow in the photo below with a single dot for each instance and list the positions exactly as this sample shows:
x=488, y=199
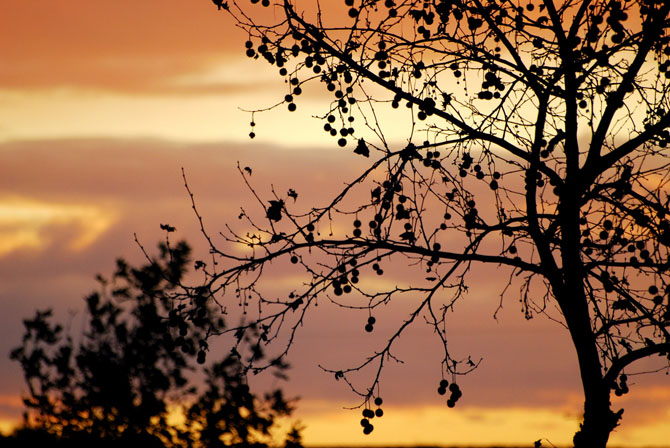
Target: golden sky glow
x=473, y=426
x=102, y=103
x=25, y=223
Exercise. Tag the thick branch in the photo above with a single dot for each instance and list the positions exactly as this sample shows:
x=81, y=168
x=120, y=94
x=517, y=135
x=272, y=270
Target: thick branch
x=621, y=363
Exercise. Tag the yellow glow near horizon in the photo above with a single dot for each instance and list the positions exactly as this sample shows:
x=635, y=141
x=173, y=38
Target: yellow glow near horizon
x=468, y=426
x=437, y=425
x=7, y=425
x=327, y=424
x=23, y=223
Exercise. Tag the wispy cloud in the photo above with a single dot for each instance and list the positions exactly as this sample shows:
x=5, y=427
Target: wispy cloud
x=27, y=223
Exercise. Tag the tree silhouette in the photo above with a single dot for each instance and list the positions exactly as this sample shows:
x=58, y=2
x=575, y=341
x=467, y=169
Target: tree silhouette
x=536, y=142
x=135, y=364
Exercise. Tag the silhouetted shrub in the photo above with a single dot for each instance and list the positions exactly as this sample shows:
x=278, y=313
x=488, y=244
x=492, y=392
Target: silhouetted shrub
x=144, y=342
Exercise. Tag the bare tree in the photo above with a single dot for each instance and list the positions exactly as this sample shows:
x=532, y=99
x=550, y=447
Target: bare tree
x=554, y=113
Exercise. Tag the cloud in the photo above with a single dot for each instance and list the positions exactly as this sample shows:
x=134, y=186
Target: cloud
x=122, y=45
x=156, y=75
x=26, y=223
x=191, y=113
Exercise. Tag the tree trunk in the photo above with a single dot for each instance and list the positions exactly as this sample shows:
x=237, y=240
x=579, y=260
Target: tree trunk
x=599, y=420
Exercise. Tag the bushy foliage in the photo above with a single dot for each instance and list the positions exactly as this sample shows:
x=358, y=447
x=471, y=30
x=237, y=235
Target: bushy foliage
x=136, y=364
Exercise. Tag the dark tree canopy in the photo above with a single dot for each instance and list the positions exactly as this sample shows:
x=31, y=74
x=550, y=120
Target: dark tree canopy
x=135, y=364
x=536, y=142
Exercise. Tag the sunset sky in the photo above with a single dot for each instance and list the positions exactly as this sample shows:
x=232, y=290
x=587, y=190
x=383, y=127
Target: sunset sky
x=103, y=103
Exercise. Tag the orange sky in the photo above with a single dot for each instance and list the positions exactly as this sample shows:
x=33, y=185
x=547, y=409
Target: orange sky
x=101, y=103
x=126, y=45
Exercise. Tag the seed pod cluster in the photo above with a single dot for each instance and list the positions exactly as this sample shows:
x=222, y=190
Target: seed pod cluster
x=357, y=228
x=370, y=325
x=369, y=414
x=442, y=388
x=456, y=394
x=621, y=388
